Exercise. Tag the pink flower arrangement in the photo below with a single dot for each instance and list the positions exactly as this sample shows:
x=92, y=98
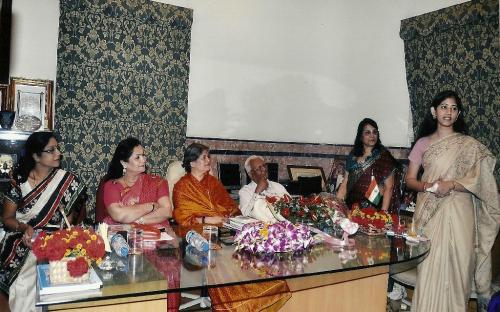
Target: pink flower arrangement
x=270, y=238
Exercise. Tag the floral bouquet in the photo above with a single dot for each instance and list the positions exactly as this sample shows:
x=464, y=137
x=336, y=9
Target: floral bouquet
x=371, y=221
x=271, y=238
x=315, y=210
x=69, y=251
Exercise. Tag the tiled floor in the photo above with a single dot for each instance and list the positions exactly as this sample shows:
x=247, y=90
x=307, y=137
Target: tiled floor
x=394, y=306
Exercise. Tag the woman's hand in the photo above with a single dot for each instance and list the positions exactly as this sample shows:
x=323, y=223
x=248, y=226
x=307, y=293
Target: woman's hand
x=342, y=191
x=215, y=220
x=444, y=188
x=28, y=233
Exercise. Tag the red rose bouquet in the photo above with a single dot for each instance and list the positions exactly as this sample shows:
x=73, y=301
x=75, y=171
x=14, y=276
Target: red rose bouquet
x=371, y=221
x=314, y=210
x=84, y=245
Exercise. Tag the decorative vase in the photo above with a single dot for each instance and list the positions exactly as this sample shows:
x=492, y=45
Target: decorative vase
x=58, y=273
x=7, y=119
x=28, y=123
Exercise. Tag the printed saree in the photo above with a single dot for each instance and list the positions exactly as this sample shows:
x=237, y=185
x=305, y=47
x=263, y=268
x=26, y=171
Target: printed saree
x=206, y=198
x=462, y=226
x=41, y=209
x=381, y=164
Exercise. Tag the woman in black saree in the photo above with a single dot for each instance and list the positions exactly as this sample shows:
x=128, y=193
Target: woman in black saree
x=39, y=195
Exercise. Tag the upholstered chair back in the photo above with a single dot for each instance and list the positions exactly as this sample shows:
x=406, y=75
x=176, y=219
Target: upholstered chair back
x=175, y=171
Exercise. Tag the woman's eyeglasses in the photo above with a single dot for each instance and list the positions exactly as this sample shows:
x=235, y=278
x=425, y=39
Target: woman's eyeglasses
x=53, y=149
x=368, y=132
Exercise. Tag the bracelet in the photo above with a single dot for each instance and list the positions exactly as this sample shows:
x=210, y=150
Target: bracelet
x=153, y=208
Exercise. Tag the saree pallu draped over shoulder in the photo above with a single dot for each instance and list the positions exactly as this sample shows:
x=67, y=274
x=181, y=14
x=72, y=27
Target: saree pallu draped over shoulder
x=40, y=208
x=206, y=198
x=148, y=188
x=381, y=164
x=194, y=199
x=462, y=226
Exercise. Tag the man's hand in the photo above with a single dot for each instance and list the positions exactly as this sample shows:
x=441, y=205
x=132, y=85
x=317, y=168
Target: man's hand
x=261, y=186
x=259, y=174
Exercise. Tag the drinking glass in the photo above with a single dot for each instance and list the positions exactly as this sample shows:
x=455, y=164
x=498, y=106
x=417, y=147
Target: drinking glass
x=211, y=234
x=135, y=242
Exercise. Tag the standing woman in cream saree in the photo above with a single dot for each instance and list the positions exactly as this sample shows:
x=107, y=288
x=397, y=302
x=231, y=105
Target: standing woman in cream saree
x=39, y=195
x=457, y=208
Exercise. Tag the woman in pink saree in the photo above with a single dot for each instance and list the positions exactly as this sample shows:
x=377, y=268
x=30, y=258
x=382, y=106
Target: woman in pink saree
x=133, y=196
x=457, y=208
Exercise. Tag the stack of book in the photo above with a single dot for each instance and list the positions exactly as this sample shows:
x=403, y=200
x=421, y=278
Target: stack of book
x=49, y=292
x=236, y=223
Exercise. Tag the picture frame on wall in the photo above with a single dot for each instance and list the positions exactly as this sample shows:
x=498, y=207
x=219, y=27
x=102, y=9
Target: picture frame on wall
x=31, y=99
x=295, y=172
x=4, y=89
x=7, y=164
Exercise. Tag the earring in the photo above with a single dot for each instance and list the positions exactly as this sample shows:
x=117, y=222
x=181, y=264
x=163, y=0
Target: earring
x=124, y=170
x=433, y=116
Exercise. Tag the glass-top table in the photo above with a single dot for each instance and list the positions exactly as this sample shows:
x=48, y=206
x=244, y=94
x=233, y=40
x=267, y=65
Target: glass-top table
x=158, y=272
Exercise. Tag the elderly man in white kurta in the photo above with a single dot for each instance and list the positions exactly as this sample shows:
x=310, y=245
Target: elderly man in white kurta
x=254, y=194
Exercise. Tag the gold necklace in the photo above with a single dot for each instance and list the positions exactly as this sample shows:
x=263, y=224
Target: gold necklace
x=127, y=184
x=33, y=177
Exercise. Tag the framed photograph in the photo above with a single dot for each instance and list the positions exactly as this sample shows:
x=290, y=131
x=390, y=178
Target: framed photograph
x=31, y=99
x=294, y=172
x=7, y=163
x=3, y=97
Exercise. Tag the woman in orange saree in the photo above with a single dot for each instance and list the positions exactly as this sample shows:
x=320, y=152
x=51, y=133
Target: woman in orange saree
x=457, y=208
x=199, y=198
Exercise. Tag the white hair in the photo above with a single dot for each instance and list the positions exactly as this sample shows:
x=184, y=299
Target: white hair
x=249, y=159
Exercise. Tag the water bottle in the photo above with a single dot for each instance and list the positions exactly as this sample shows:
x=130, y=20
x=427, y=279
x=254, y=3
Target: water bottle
x=119, y=245
x=197, y=241
x=196, y=257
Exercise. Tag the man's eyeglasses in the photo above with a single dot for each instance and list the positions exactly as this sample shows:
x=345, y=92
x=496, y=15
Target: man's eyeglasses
x=53, y=149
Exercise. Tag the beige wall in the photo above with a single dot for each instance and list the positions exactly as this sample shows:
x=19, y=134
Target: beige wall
x=282, y=70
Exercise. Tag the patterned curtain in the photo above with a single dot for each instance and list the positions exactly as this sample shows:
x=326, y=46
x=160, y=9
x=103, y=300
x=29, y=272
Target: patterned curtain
x=457, y=48
x=122, y=70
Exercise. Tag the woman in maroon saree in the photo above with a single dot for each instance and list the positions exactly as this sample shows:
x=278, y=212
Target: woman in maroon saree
x=370, y=158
